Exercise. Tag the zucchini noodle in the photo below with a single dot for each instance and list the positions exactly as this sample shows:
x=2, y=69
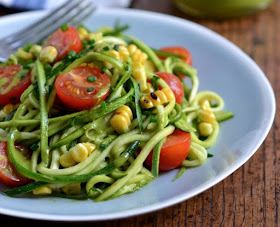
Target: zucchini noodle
x=101, y=151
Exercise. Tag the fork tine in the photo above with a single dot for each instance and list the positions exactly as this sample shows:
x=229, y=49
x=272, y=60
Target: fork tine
x=44, y=32
x=78, y=20
x=45, y=21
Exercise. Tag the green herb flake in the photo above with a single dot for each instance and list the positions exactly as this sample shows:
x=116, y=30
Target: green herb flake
x=34, y=147
x=22, y=74
x=154, y=82
x=102, y=146
x=91, y=42
x=84, y=43
x=153, y=120
x=91, y=78
x=112, y=89
x=103, y=69
x=90, y=89
x=64, y=27
x=71, y=54
x=106, y=48
x=27, y=47
x=116, y=47
x=26, y=67
x=209, y=155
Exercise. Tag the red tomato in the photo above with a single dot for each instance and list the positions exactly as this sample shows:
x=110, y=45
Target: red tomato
x=8, y=174
x=178, y=50
x=64, y=41
x=76, y=91
x=11, y=74
x=174, y=83
x=174, y=151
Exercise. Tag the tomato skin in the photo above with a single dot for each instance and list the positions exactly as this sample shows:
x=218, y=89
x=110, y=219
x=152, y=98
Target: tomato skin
x=173, y=152
x=8, y=174
x=174, y=83
x=13, y=95
x=71, y=87
x=178, y=50
x=64, y=41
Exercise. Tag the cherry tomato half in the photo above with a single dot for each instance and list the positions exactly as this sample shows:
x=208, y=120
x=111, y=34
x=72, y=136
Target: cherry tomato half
x=174, y=150
x=12, y=83
x=174, y=83
x=64, y=41
x=178, y=50
x=83, y=87
x=8, y=174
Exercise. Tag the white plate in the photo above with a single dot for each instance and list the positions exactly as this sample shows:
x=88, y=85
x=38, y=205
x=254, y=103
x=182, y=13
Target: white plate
x=222, y=67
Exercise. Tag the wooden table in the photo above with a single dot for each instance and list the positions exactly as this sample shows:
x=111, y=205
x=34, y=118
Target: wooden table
x=250, y=196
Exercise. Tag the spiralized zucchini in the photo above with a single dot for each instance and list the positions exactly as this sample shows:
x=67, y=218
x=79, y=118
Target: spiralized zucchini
x=95, y=152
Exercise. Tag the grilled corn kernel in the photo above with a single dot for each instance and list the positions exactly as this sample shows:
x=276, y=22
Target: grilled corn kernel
x=205, y=129
x=83, y=33
x=157, y=98
x=79, y=152
x=45, y=190
x=66, y=160
x=35, y=50
x=138, y=72
x=72, y=189
x=90, y=147
x=8, y=108
x=124, y=54
x=206, y=116
x=121, y=120
x=24, y=55
x=48, y=54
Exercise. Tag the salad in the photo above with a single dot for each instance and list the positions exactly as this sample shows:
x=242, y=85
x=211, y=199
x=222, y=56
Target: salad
x=101, y=114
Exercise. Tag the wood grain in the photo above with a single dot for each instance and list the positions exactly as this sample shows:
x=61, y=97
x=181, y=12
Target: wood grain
x=250, y=196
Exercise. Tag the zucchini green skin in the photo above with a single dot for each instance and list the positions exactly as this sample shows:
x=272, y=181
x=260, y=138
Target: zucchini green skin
x=223, y=115
x=23, y=166
x=25, y=188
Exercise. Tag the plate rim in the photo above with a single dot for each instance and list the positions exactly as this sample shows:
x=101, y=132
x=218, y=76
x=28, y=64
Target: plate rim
x=177, y=199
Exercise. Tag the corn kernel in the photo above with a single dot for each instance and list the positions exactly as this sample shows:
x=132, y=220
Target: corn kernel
x=24, y=55
x=206, y=116
x=90, y=147
x=83, y=33
x=79, y=152
x=35, y=50
x=132, y=48
x=138, y=72
x=48, y=54
x=45, y=190
x=124, y=54
x=8, y=108
x=205, y=129
x=66, y=160
x=149, y=65
x=96, y=36
x=121, y=120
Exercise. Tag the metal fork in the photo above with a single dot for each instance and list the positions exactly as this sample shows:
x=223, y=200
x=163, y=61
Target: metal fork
x=72, y=12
